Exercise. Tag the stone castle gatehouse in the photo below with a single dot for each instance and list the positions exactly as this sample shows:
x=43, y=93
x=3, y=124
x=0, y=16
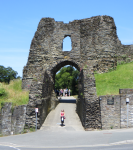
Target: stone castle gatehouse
x=95, y=47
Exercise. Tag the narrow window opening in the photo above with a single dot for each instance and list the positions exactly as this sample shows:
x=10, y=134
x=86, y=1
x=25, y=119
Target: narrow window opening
x=67, y=46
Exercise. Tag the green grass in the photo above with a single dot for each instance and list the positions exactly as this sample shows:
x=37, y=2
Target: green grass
x=13, y=93
x=110, y=83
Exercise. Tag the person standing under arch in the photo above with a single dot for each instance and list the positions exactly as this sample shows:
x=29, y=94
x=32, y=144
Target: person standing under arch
x=69, y=92
x=66, y=92
x=63, y=92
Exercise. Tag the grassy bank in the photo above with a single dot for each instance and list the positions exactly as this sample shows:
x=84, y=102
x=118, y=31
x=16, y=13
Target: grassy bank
x=13, y=93
x=110, y=83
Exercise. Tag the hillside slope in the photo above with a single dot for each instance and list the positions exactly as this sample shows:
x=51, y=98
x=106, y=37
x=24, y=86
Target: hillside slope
x=13, y=93
x=110, y=83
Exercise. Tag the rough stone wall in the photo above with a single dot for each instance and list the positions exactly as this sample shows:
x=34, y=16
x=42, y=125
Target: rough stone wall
x=6, y=119
x=43, y=97
x=114, y=116
x=89, y=101
x=99, y=42
x=88, y=107
x=94, y=48
x=80, y=102
x=0, y=123
x=125, y=54
x=126, y=93
x=18, y=119
x=12, y=120
x=110, y=114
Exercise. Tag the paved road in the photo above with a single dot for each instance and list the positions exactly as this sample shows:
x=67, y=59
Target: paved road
x=72, y=136
x=72, y=121
x=116, y=147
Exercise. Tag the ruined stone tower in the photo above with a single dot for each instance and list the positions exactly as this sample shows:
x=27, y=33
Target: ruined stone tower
x=94, y=48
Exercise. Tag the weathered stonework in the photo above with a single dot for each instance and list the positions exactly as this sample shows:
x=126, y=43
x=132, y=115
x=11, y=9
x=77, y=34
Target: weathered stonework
x=12, y=121
x=95, y=47
x=110, y=114
x=5, y=116
x=115, y=116
x=125, y=54
x=126, y=93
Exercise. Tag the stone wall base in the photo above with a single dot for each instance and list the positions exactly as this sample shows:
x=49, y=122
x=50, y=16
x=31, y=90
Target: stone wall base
x=12, y=121
x=116, y=113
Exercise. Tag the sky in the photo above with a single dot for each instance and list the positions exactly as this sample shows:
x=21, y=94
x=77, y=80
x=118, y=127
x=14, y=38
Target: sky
x=19, y=20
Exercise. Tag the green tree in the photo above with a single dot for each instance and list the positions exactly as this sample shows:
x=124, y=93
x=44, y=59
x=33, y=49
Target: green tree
x=7, y=74
x=67, y=77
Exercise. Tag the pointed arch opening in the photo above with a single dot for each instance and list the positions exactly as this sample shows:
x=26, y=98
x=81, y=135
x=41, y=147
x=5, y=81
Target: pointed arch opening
x=67, y=43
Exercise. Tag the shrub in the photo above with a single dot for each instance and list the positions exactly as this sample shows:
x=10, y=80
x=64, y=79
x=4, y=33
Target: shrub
x=2, y=92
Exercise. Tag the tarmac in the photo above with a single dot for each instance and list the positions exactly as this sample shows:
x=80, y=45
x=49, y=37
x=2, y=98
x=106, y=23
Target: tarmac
x=72, y=134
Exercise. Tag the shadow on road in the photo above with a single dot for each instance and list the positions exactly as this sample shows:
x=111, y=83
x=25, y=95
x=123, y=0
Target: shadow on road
x=62, y=125
x=67, y=101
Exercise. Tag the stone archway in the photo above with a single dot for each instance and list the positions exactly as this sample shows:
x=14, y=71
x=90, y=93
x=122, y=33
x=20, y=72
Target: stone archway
x=93, y=49
x=42, y=95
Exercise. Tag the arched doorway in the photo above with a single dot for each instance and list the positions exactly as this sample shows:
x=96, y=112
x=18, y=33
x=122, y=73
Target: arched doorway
x=66, y=77
x=42, y=95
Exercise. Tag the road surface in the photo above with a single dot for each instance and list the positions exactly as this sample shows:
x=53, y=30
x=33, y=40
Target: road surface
x=69, y=137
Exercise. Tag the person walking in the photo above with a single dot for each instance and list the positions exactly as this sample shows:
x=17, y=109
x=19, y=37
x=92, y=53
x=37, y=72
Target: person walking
x=66, y=92
x=63, y=92
x=69, y=92
x=62, y=116
x=60, y=94
x=57, y=92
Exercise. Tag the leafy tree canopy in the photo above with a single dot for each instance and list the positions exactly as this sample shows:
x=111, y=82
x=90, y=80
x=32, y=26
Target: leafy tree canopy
x=67, y=77
x=7, y=74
